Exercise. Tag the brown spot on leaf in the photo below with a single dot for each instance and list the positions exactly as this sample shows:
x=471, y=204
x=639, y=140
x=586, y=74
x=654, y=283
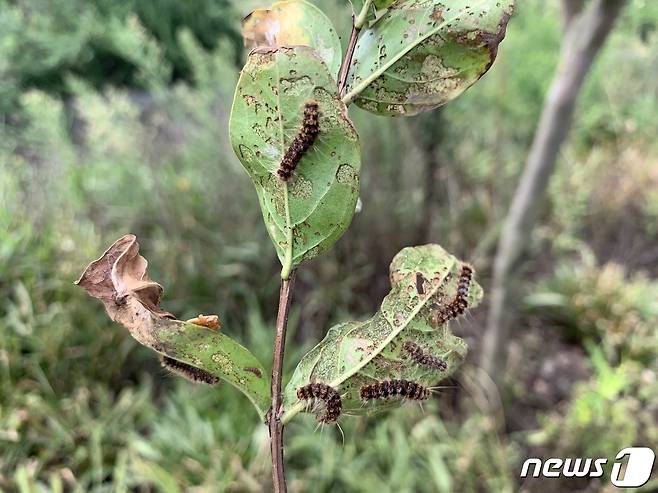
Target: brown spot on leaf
x=490, y=40
x=437, y=13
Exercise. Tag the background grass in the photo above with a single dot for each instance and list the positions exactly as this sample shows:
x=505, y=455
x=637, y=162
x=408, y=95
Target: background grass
x=86, y=158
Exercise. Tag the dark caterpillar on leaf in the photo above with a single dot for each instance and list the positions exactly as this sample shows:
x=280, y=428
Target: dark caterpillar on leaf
x=423, y=358
x=333, y=404
x=390, y=388
x=190, y=372
x=303, y=140
x=459, y=303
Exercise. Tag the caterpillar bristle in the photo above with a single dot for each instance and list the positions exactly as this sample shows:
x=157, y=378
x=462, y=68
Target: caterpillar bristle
x=333, y=405
x=393, y=388
x=423, y=358
x=459, y=303
x=304, y=139
x=190, y=372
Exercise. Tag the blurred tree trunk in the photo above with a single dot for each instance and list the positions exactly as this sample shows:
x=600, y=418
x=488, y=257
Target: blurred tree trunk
x=584, y=35
x=428, y=132
x=570, y=10
x=75, y=123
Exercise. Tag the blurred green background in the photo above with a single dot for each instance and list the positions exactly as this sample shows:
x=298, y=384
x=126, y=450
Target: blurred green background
x=113, y=119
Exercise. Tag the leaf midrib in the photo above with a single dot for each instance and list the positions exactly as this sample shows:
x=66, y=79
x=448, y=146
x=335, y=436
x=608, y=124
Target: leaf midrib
x=394, y=332
x=288, y=253
x=351, y=95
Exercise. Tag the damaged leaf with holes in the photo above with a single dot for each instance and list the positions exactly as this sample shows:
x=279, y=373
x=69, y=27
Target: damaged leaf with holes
x=309, y=213
x=290, y=23
x=120, y=281
x=423, y=53
x=425, y=282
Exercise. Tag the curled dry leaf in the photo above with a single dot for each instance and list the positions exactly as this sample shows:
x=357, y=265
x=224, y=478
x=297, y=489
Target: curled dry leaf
x=120, y=281
x=429, y=287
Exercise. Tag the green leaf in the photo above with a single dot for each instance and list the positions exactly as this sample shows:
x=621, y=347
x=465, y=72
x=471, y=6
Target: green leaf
x=119, y=279
x=214, y=352
x=423, y=53
x=309, y=213
x=290, y=23
x=424, y=282
x=383, y=4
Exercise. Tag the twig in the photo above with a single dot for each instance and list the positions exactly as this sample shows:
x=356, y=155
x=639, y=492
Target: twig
x=274, y=416
x=357, y=24
x=347, y=61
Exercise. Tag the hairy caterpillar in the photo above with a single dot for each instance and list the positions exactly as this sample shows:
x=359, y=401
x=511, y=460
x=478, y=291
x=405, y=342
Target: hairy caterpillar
x=423, y=358
x=303, y=140
x=389, y=388
x=459, y=303
x=419, y=283
x=333, y=404
x=190, y=372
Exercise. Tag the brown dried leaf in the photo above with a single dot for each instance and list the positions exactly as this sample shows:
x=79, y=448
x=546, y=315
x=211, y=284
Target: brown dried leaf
x=194, y=348
x=119, y=274
x=294, y=23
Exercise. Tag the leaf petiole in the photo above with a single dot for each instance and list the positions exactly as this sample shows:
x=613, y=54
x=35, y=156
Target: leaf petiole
x=361, y=19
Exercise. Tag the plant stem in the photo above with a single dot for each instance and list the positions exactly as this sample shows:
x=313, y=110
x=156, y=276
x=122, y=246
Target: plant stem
x=275, y=423
x=357, y=25
x=360, y=21
x=287, y=261
x=347, y=61
x=274, y=416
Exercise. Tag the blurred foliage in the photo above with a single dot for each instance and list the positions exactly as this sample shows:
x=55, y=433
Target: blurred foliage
x=616, y=315
x=618, y=406
x=430, y=455
x=84, y=408
x=602, y=303
x=107, y=43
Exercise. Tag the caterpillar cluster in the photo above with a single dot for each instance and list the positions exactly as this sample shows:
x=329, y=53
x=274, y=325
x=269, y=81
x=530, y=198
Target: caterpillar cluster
x=423, y=358
x=190, y=372
x=333, y=405
x=390, y=388
x=460, y=302
x=302, y=142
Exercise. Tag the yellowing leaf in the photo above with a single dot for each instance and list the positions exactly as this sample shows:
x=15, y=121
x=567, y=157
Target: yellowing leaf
x=290, y=23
